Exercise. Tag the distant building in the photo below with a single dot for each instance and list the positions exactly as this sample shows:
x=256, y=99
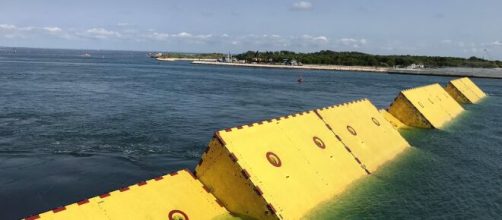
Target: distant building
x=416, y=66
x=155, y=55
x=228, y=59
x=291, y=62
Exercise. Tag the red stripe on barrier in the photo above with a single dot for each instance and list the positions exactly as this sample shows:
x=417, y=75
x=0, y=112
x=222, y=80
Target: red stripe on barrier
x=319, y=115
x=219, y=202
x=329, y=127
x=233, y=157
x=367, y=171
x=239, y=127
x=271, y=208
x=190, y=172
x=58, y=209
x=338, y=137
x=245, y=174
x=228, y=129
x=357, y=159
x=218, y=136
x=159, y=178
x=142, y=183
x=258, y=190
x=33, y=217
x=104, y=195
x=124, y=189
x=205, y=188
x=174, y=173
x=83, y=202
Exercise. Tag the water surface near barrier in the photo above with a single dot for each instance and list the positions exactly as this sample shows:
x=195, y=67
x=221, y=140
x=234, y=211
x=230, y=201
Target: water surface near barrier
x=453, y=173
x=73, y=127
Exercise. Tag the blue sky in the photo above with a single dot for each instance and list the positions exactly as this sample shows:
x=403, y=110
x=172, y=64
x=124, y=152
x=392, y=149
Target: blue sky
x=428, y=27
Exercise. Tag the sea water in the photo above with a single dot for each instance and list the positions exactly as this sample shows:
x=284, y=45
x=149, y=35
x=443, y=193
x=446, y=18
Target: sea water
x=73, y=127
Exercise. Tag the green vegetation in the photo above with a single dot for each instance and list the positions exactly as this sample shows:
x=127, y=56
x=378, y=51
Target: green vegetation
x=363, y=59
x=192, y=55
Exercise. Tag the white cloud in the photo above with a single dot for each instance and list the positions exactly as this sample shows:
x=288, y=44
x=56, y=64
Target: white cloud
x=319, y=39
x=7, y=27
x=100, y=33
x=53, y=29
x=302, y=5
x=183, y=35
x=158, y=36
x=497, y=43
x=352, y=42
x=13, y=31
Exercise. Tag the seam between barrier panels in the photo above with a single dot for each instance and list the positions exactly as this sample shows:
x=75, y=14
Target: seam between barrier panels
x=363, y=166
x=247, y=176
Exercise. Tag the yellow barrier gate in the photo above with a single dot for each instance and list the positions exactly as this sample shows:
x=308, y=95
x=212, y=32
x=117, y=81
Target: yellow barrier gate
x=425, y=107
x=392, y=120
x=370, y=138
x=464, y=91
x=282, y=168
x=177, y=196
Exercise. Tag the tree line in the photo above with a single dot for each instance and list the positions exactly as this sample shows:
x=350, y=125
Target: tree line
x=363, y=59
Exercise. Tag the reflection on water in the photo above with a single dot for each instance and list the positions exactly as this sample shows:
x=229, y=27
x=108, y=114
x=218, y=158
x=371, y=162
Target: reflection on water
x=72, y=127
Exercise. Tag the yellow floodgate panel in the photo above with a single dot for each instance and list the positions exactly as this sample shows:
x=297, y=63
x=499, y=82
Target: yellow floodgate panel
x=365, y=132
x=177, y=196
x=464, y=90
x=277, y=169
x=392, y=120
x=425, y=107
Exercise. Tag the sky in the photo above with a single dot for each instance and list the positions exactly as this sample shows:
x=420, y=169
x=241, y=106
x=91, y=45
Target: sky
x=427, y=27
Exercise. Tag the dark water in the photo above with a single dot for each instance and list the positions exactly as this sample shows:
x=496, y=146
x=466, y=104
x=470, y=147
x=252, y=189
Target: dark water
x=72, y=127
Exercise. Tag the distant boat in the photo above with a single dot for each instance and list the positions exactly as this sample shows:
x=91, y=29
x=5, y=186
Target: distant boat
x=300, y=80
x=85, y=55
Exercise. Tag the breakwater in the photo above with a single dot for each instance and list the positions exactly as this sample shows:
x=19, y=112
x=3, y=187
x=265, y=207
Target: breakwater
x=451, y=72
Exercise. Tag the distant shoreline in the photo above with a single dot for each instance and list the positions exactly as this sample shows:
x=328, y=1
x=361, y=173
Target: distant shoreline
x=306, y=66
x=495, y=74
x=184, y=59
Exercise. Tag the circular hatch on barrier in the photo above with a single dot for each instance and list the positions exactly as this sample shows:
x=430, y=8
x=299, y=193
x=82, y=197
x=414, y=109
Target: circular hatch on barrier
x=351, y=130
x=273, y=159
x=319, y=142
x=177, y=215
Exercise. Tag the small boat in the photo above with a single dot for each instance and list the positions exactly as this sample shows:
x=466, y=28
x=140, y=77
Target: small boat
x=300, y=80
